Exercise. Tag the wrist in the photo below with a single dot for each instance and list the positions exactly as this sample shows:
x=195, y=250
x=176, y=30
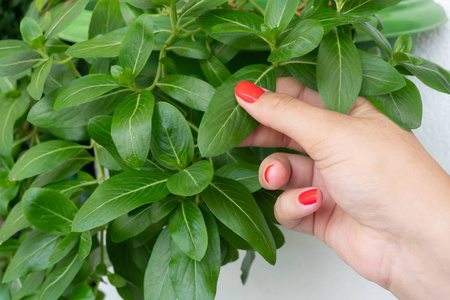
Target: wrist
x=422, y=267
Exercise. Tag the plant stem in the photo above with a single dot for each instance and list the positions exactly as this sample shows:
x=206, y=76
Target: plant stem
x=163, y=53
x=62, y=62
x=242, y=4
x=192, y=125
x=257, y=8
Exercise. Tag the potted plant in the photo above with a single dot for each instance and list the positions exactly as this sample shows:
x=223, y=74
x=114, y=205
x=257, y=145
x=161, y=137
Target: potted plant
x=120, y=150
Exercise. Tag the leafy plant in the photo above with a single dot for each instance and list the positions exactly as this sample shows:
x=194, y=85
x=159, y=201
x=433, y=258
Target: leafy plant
x=120, y=150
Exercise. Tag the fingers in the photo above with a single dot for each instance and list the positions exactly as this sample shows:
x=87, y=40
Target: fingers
x=294, y=209
x=267, y=137
x=286, y=171
x=291, y=86
x=303, y=122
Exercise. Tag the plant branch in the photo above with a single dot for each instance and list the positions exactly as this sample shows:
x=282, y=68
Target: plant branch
x=257, y=8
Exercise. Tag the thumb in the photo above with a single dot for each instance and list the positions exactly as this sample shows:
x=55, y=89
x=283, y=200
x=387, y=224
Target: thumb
x=306, y=124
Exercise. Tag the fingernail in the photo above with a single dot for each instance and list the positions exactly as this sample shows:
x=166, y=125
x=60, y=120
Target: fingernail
x=308, y=197
x=266, y=173
x=248, y=92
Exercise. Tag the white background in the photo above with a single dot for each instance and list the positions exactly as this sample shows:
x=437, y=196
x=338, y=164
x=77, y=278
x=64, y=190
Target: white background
x=307, y=269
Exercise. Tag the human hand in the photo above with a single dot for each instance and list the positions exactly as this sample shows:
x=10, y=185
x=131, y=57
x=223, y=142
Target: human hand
x=369, y=189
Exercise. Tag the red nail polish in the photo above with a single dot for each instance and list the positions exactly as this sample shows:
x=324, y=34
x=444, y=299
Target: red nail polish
x=248, y=92
x=266, y=173
x=308, y=197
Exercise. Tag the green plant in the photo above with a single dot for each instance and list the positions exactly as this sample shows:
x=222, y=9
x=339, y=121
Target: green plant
x=130, y=157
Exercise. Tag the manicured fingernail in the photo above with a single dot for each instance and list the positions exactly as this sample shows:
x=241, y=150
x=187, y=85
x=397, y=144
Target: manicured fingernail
x=266, y=173
x=248, y=92
x=308, y=197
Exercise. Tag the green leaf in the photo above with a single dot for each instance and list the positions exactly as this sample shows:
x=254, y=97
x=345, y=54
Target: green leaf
x=106, y=17
x=229, y=254
x=30, y=29
x=107, y=45
x=404, y=106
x=65, y=17
x=149, y=233
x=65, y=170
x=64, y=247
x=188, y=230
x=117, y=280
x=137, y=44
x=8, y=191
x=225, y=124
x=430, y=74
x=235, y=240
x=191, y=181
x=32, y=255
x=215, y=71
x=165, y=2
x=10, y=111
x=404, y=43
x=172, y=142
x=30, y=285
x=304, y=70
x=8, y=47
x=193, y=279
x=19, y=62
x=331, y=19
x=302, y=39
x=339, y=72
x=157, y=285
x=82, y=291
x=85, y=89
x=60, y=278
x=277, y=235
x=85, y=244
x=200, y=6
x=56, y=46
x=190, y=49
x=377, y=37
x=379, y=77
x=43, y=115
x=124, y=265
x=43, y=157
x=246, y=265
x=279, y=13
x=100, y=131
x=266, y=201
x=129, y=225
x=119, y=195
x=247, y=174
x=358, y=7
x=163, y=208
x=36, y=86
x=15, y=222
x=69, y=188
x=245, y=28
x=192, y=92
x=235, y=207
x=48, y=210
x=130, y=128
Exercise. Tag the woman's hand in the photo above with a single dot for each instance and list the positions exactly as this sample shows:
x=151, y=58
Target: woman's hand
x=369, y=189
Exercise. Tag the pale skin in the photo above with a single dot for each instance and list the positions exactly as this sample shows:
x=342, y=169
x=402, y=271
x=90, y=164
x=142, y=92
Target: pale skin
x=384, y=205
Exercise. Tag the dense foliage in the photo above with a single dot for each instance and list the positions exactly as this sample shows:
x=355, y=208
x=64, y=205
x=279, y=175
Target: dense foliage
x=120, y=150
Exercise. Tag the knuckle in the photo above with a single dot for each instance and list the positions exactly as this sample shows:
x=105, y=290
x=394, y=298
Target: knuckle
x=280, y=101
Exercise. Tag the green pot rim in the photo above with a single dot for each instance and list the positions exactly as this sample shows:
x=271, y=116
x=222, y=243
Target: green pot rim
x=409, y=17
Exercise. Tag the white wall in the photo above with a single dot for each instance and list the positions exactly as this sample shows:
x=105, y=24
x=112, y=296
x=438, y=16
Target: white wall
x=307, y=269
